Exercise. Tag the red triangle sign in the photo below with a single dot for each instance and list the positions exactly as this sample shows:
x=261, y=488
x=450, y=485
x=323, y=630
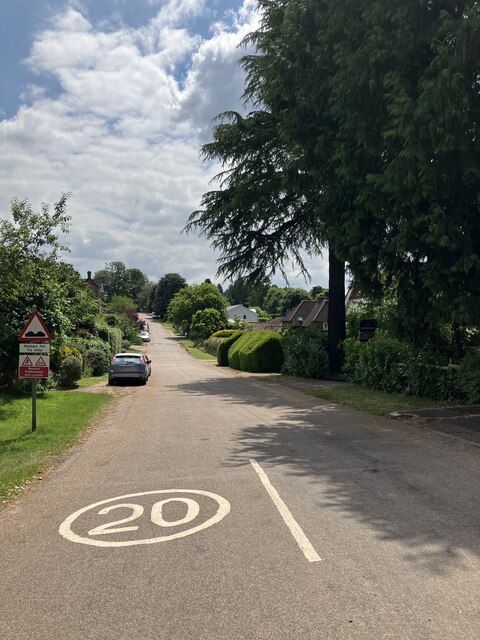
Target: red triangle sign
x=35, y=330
x=27, y=362
x=41, y=362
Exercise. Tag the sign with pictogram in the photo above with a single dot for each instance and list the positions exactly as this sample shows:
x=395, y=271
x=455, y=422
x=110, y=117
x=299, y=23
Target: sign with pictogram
x=33, y=366
x=35, y=330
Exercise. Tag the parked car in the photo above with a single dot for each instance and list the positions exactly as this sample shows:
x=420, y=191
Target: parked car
x=126, y=366
x=145, y=336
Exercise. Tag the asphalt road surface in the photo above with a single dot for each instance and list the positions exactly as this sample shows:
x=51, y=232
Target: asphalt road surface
x=210, y=505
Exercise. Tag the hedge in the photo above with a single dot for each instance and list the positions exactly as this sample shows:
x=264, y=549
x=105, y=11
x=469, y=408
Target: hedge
x=224, y=346
x=258, y=352
x=305, y=352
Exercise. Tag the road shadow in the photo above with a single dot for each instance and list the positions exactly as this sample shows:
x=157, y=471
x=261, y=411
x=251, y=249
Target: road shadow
x=409, y=487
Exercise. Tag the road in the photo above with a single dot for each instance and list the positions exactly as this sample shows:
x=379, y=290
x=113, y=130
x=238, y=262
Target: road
x=250, y=511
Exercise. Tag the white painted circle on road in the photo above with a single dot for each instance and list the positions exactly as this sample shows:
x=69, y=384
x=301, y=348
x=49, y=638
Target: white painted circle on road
x=136, y=511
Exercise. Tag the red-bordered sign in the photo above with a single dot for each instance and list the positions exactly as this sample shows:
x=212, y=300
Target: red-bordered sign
x=35, y=330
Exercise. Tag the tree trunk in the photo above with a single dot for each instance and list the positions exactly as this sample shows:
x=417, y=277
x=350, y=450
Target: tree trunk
x=336, y=311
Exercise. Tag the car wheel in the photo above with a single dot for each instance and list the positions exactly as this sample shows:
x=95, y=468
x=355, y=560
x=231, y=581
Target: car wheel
x=111, y=381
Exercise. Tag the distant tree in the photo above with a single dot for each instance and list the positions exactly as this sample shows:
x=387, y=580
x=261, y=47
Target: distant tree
x=318, y=292
x=206, y=322
x=194, y=298
x=248, y=292
x=278, y=300
x=167, y=287
x=135, y=281
x=121, y=304
x=144, y=298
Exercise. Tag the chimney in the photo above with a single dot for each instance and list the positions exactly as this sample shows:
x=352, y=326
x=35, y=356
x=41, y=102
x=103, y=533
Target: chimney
x=89, y=275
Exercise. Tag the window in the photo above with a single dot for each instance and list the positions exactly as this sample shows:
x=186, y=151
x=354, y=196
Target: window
x=325, y=326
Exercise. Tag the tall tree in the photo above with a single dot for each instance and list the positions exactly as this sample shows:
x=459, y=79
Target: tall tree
x=246, y=292
x=196, y=297
x=167, y=287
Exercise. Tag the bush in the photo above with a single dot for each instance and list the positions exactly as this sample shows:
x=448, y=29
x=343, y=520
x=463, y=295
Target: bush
x=469, y=378
x=305, y=352
x=62, y=352
x=387, y=364
x=211, y=345
x=224, y=346
x=258, y=352
x=224, y=333
x=70, y=372
x=97, y=361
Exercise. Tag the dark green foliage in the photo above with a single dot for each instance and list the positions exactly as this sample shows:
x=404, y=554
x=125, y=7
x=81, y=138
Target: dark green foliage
x=167, y=287
x=60, y=353
x=224, y=346
x=258, y=352
x=249, y=293
x=306, y=353
x=70, y=372
x=120, y=281
x=97, y=361
x=387, y=364
x=206, y=322
x=469, y=378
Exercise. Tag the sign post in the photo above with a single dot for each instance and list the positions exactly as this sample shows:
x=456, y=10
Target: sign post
x=34, y=357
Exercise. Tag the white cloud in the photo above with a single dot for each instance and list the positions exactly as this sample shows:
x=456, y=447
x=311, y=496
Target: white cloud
x=124, y=133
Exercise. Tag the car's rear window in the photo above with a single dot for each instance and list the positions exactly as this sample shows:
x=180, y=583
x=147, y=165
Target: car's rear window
x=128, y=360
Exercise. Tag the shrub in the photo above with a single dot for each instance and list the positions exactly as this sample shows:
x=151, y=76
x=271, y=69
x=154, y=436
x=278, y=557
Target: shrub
x=224, y=346
x=390, y=365
x=258, y=352
x=469, y=378
x=70, y=372
x=211, y=345
x=224, y=333
x=353, y=355
x=62, y=352
x=305, y=352
x=97, y=361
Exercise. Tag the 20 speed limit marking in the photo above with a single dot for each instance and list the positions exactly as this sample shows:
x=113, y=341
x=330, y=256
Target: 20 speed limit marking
x=147, y=517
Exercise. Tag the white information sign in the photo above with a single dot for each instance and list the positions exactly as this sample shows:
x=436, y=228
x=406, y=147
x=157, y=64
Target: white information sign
x=39, y=348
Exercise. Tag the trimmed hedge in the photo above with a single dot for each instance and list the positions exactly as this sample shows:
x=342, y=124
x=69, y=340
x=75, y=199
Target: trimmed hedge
x=211, y=345
x=224, y=333
x=387, y=364
x=70, y=372
x=224, y=346
x=258, y=352
x=305, y=353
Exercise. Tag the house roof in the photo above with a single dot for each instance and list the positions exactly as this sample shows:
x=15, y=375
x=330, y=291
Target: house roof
x=308, y=310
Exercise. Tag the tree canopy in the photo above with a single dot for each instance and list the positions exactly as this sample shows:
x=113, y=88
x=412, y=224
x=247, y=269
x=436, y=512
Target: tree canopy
x=167, y=287
x=366, y=138
x=196, y=297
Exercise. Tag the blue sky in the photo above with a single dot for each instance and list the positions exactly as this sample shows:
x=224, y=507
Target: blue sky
x=111, y=100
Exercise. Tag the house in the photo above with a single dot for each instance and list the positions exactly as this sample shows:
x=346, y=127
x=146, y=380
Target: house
x=96, y=287
x=353, y=299
x=241, y=312
x=308, y=313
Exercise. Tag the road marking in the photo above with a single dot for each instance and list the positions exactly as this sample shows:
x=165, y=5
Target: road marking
x=156, y=517
x=301, y=539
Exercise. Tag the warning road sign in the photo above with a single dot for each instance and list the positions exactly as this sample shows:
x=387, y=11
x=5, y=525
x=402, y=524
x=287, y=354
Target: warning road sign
x=31, y=366
x=35, y=330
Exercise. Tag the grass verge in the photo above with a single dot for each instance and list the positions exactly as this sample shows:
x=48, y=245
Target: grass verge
x=62, y=417
x=92, y=380
x=372, y=401
x=195, y=352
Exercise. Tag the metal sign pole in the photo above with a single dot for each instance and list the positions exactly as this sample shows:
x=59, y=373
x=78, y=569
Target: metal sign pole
x=34, y=405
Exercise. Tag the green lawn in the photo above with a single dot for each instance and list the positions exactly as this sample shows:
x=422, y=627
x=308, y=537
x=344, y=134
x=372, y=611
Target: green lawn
x=372, y=401
x=62, y=417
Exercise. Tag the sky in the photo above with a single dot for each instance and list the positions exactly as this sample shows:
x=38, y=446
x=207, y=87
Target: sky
x=111, y=100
